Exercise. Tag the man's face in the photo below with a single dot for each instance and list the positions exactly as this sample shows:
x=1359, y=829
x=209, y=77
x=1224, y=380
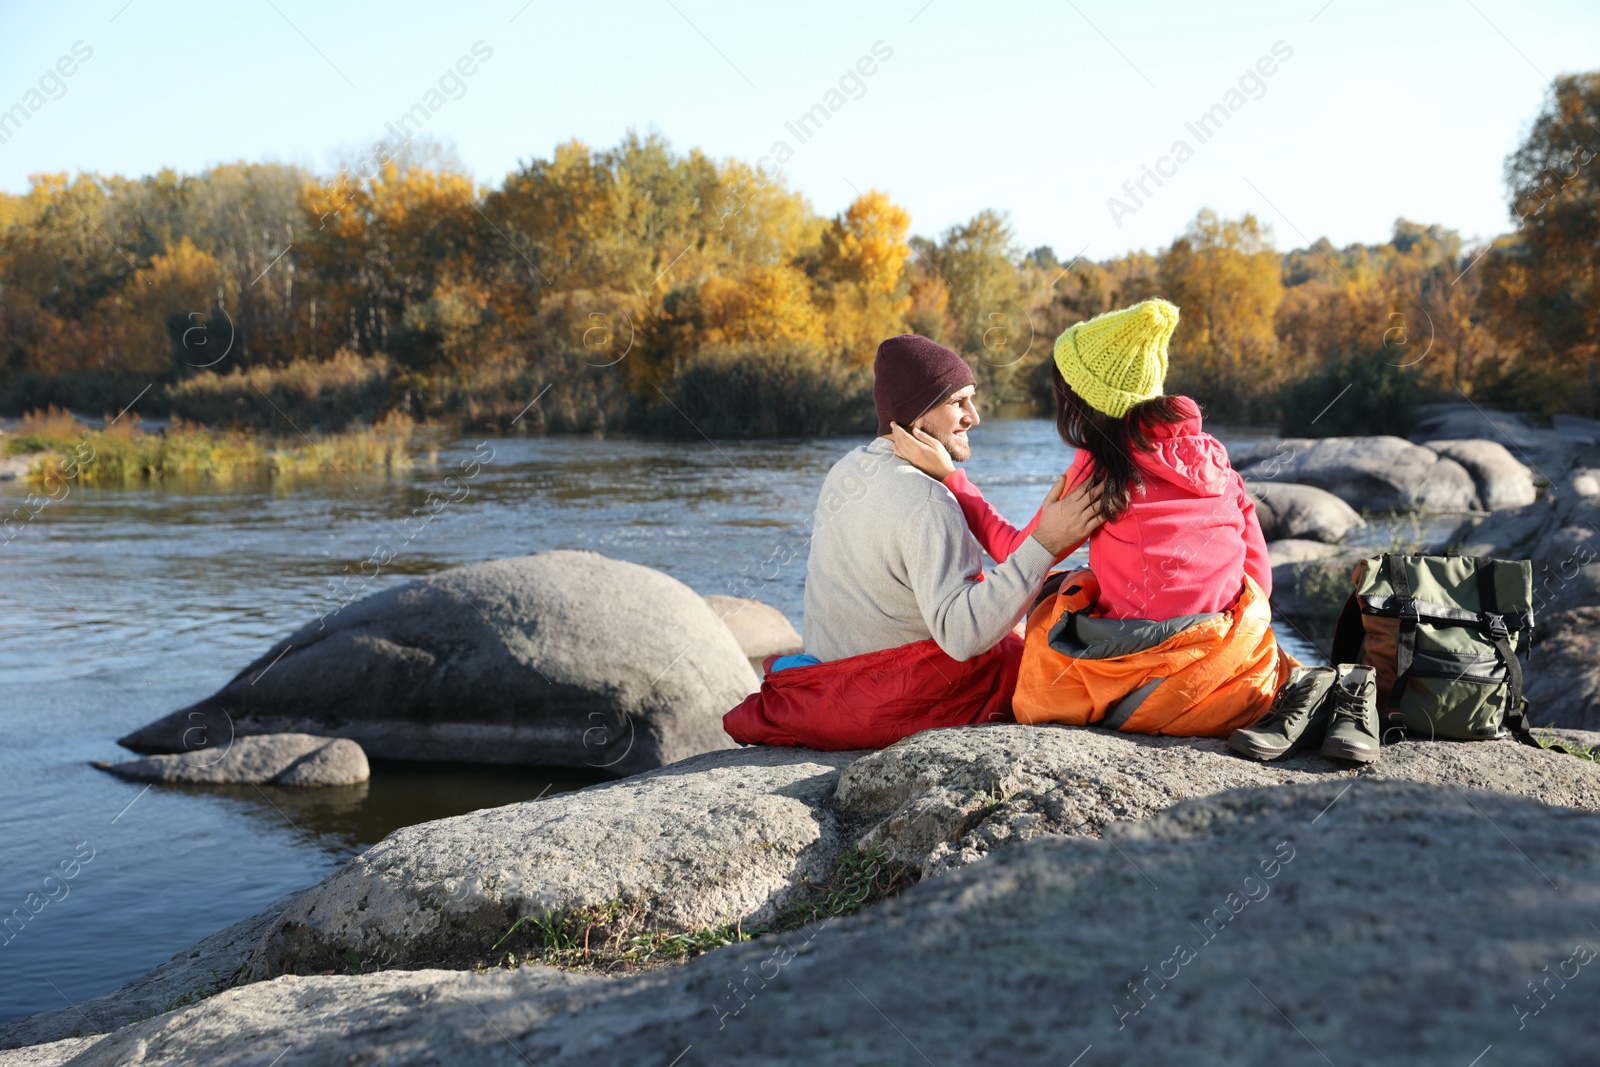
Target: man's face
x=950, y=421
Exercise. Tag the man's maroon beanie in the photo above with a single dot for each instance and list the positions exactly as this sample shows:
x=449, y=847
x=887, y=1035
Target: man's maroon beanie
x=912, y=374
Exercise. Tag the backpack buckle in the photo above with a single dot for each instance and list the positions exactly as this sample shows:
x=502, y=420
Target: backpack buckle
x=1495, y=624
x=1405, y=609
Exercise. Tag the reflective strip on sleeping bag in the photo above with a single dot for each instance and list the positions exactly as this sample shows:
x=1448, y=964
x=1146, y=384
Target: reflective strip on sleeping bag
x=1194, y=676
x=874, y=700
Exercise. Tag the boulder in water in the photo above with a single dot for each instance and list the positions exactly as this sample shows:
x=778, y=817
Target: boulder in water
x=1374, y=473
x=761, y=629
x=565, y=659
x=726, y=835
x=269, y=759
x=1503, y=481
x=1296, y=550
x=1584, y=431
x=1548, y=452
x=1287, y=510
x=1310, y=580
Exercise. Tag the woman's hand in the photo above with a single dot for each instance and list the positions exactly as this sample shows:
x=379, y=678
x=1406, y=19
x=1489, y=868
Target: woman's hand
x=922, y=451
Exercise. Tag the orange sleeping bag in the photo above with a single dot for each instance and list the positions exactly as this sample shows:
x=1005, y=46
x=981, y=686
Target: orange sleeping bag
x=1195, y=676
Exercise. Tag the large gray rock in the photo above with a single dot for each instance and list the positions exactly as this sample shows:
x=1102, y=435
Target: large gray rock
x=1310, y=581
x=739, y=834
x=1372, y=473
x=270, y=759
x=1292, y=550
x=1290, y=511
x=1547, y=452
x=734, y=835
x=16, y=468
x=1563, y=677
x=1510, y=534
x=1584, y=431
x=1502, y=480
x=1370, y=922
x=718, y=837
x=761, y=629
x=564, y=659
x=1309, y=591
x=201, y=971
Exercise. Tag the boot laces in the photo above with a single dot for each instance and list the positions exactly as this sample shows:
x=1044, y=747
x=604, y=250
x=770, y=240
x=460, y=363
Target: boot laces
x=1293, y=703
x=1349, y=703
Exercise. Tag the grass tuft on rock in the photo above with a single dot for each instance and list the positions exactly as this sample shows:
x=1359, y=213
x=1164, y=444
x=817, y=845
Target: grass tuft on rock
x=612, y=938
x=1567, y=746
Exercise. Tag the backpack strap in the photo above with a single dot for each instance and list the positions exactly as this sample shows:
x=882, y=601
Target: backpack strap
x=1405, y=645
x=1494, y=626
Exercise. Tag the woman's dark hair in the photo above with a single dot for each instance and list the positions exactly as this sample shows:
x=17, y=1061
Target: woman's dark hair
x=1109, y=441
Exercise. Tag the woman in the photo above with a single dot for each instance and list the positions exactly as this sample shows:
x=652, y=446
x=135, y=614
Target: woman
x=1180, y=546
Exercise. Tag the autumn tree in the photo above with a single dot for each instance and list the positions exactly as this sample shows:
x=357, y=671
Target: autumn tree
x=1541, y=288
x=861, y=272
x=380, y=242
x=1226, y=280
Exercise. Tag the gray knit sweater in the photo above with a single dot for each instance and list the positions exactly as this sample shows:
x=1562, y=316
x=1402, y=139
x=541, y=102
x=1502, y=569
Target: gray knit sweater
x=892, y=562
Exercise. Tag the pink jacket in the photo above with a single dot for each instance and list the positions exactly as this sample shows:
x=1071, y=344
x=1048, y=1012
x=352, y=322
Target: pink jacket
x=1183, y=546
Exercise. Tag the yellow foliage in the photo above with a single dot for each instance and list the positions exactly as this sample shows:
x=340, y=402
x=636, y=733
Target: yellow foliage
x=760, y=220
x=181, y=282
x=763, y=304
x=863, y=260
x=1228, y=282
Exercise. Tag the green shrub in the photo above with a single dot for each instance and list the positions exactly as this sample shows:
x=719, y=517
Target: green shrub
x=312, y=394
x=1360, y=395
x=752, y=391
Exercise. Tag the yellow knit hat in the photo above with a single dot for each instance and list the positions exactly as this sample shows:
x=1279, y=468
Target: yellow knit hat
x=1118, y=359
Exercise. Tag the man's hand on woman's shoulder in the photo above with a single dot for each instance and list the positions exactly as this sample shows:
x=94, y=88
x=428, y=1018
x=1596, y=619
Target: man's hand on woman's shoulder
x=1067, y=519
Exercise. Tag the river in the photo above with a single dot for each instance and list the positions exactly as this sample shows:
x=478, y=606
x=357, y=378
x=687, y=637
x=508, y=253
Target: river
x=123, y=604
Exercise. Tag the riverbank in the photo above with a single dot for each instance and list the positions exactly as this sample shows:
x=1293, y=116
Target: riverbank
x=53, y=447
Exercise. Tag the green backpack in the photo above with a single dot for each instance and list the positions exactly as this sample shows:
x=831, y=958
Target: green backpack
x=1443, y=634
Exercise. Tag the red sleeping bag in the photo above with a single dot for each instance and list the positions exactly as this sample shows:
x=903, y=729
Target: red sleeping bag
x=874, y=700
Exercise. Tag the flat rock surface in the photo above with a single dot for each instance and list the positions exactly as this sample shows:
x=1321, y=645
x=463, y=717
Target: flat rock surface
x=1311, y=924
x=50, y=1054
x=341, y=1018
x=1372, y=473
x=269, y=759
x=945, y=798
x=1287, y=510
x=564, y=659
x=702, y=842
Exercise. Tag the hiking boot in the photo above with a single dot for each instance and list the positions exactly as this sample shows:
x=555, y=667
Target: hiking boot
x=1298, y=717
x=1353, y=727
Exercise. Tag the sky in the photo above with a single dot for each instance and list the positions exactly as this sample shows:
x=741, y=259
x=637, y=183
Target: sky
x=1335, y=117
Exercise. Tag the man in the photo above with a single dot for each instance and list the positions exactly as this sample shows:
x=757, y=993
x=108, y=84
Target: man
x=910, y=631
